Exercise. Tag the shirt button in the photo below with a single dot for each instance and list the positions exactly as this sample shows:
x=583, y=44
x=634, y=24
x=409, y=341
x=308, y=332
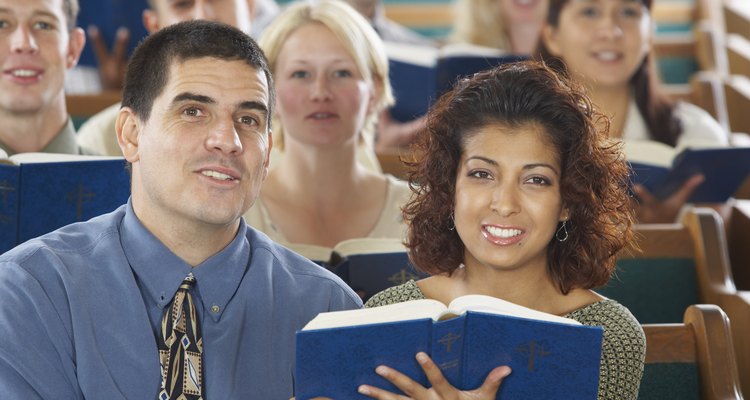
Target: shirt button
x=215, y=309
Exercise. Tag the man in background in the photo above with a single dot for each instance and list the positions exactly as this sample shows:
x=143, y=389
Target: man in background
x=39, y=42
x=97, y=134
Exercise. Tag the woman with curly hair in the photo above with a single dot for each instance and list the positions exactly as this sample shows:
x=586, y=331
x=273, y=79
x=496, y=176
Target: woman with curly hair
x=521, y=195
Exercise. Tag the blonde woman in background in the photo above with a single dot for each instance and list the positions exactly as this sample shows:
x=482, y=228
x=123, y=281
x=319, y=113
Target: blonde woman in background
x=510, y=25
x=331, y=76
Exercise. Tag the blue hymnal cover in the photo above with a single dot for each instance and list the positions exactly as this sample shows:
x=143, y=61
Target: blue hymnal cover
x=548, y=359
x=371, y=273
x=43, y=192
x=420, y=74
x=725, y=169
x=367, y=265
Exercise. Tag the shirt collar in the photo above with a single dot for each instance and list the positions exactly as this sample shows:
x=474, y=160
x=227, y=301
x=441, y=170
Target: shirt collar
x=65, y=142
x=160, y=271
x=635, y=127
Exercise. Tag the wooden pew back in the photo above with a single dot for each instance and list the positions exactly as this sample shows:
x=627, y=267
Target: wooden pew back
x=692, y=359
x=82, y=106
x=679, y=265
x=658, y=282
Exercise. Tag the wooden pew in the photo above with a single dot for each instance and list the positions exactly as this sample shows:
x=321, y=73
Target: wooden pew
x=709, y=43
x=679, y=265
x=431, y=18
x=692, y=359
x=737, y=92
x=90, y=104
x=716, y=282
x=738, y=237
x=738, y=54
x=82, y=106
x=707, y=92
x=391, y=164
x=737, y=17
x=660, y=280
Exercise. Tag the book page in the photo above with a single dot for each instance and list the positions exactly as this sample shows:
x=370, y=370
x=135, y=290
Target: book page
x=28, y=158
x=311, y=251
x=408, y=310
x=425, y=56
x=468, y=49
x=660, y=154
x=369, y=246
x=649, y=152
x=493, y=305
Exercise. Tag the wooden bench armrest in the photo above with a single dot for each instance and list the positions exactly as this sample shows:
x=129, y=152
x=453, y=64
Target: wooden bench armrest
x=714, y=351
x=713, y=267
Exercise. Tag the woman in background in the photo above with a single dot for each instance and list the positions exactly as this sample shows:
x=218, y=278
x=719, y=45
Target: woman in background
x=510, y=25
x=606, y=45
x=331, y=77
x=520, y=194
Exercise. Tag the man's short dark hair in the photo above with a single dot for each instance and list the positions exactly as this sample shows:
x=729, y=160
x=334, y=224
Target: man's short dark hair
x=148, y=69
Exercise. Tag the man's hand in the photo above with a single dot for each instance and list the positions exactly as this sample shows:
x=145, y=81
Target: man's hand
x=111, y=65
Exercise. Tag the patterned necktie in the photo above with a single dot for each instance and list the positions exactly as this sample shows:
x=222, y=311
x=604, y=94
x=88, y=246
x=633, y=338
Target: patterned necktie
x=181, y=347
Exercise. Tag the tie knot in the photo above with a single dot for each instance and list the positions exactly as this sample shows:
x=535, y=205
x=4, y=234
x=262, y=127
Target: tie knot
x=188, y=282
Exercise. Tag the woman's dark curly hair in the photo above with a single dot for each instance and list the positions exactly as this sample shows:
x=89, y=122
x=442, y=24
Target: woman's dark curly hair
x=594, y=177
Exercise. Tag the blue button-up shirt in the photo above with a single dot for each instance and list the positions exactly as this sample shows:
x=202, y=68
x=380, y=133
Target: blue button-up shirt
x=80, y=309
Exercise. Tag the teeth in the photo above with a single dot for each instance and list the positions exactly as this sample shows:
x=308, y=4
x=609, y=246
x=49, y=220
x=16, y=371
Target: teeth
x=503, y=233
x=607, y=55
x=217, y=175
x=23, y=72
x=321, y=115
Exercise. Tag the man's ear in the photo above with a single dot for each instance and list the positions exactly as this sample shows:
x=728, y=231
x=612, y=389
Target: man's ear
x=76, y=41
x=267, y=163
x=150, y=20
x=128, y=129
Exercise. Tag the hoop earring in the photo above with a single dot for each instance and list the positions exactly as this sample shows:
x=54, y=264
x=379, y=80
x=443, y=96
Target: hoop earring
x=564, y=230
x=452, y=226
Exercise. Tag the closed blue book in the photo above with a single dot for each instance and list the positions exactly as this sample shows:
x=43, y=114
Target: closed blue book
x=367, y=265
x=419, y=75
x=550, y=356
x=413, y=87
x=370, y=273
x=53, y=190
x=9, y=184
x=724, y=169
x=452, y=67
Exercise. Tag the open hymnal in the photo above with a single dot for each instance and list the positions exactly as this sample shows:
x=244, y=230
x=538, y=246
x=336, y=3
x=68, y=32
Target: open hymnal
x=663, y=169
x=420, y=74
x=551, y=356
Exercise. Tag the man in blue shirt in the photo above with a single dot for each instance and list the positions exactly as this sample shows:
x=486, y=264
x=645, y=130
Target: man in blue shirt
x=82, y=306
